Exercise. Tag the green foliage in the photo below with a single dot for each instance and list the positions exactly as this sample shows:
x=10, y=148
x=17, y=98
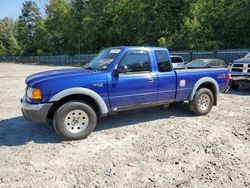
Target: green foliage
x=214, y=24
x=28, y=28
x=8, y=42
x=60, y=27
x=81, y=26
x=162, y=42
x=235, y=28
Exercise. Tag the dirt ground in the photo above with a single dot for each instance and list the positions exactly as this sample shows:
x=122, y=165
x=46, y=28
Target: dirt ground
x=154, y=147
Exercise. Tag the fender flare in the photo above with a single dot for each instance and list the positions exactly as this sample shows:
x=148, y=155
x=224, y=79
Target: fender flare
x=202, y=81
x=84, y=91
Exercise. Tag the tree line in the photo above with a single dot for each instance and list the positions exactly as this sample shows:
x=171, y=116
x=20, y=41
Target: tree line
x=86, y=26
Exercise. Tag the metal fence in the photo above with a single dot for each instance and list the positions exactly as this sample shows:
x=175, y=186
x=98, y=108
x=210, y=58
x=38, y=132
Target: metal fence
x=51, y=60
x=227, y=55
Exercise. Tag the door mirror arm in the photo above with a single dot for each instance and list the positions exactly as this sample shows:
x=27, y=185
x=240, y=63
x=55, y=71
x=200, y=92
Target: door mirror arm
x=121, y=69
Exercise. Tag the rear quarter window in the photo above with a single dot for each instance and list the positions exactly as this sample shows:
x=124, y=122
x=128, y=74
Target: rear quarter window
x=163, y=61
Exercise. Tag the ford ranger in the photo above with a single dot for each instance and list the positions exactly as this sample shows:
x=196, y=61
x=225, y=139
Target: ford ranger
x=117, y=79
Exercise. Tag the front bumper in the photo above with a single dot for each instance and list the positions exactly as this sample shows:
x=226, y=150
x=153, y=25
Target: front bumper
x=36, y=113
x=240, y=78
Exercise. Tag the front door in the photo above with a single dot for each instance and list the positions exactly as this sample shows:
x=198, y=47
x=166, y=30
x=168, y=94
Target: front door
x=137, y=86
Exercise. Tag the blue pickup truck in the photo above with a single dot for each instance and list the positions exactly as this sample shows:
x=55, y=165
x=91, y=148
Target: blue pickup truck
x=117, y=79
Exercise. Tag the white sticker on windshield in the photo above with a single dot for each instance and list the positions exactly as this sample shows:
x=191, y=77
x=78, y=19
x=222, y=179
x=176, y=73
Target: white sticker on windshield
x=115, y=51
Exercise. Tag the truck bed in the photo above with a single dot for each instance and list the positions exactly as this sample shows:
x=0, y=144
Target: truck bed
x=192, y=76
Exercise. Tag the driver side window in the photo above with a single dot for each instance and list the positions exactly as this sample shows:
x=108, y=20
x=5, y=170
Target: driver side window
x=137, y=61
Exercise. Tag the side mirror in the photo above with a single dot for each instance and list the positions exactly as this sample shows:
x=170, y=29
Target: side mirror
x=121, y=69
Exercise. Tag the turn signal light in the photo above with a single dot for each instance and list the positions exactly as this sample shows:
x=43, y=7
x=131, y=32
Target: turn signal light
x=36, y=94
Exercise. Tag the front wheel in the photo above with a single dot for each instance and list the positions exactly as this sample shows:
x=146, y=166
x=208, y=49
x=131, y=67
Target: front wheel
x=202, y=103
x=74, y=120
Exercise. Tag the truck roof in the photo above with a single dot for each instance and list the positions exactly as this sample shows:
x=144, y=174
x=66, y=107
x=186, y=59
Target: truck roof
x=141, y=47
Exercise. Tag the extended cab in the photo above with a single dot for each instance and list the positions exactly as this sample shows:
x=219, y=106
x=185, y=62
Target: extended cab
x=118, y=79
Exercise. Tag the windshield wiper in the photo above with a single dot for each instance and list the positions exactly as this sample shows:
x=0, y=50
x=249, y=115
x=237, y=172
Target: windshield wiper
x=89, y=68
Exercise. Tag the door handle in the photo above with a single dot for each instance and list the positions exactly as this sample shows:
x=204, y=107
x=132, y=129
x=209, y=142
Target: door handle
x=150, y=79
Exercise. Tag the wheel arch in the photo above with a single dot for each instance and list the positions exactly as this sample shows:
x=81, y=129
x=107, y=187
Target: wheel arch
x=206, y=82
x=84, y=94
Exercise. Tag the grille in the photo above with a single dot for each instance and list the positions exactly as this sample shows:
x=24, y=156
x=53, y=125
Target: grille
x=238, y=65
x=237, y=68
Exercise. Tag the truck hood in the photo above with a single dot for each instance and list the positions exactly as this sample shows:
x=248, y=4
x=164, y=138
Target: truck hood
x=243, y=60
x=57, y=74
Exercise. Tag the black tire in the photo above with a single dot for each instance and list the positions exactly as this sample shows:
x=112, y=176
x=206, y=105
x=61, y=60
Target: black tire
x=233, y=85
x=204, y=95
x=64, y=111
x=191, y=107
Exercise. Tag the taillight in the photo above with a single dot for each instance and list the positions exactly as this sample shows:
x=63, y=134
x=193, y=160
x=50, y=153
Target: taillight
x=228, y=77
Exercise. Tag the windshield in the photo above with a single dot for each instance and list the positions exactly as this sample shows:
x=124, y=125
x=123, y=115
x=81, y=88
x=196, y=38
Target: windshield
x=248, y=55
x=197, y=63
x=103, y=60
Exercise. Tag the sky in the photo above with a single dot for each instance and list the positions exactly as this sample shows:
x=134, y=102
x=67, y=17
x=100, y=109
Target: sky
x=12, y=8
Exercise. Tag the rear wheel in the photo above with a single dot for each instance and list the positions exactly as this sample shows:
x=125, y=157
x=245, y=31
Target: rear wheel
x=74, y=120
x=202, y=103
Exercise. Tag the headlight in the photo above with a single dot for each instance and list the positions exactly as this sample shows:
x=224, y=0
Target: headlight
x=34, y=93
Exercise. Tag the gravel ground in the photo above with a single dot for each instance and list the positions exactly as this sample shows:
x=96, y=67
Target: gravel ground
x=154, y=147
